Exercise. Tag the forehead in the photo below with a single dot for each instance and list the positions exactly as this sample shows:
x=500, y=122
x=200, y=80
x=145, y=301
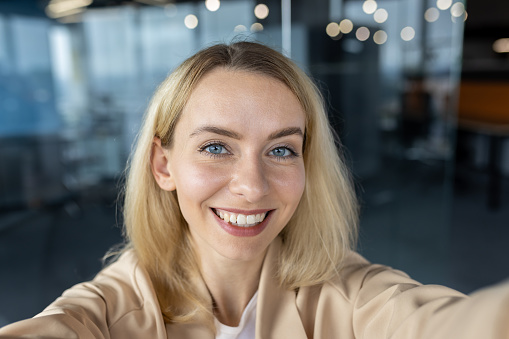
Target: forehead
x=225, y=96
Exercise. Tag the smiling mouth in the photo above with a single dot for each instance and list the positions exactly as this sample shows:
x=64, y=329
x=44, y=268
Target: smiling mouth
x=241, y=220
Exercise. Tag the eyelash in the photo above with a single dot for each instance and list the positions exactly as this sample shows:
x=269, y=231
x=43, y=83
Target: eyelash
x=293, y=153
x=202, y=149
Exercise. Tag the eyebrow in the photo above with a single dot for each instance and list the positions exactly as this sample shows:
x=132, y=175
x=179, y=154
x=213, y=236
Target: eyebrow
x=215, y=130
x=285, y=132
x=231, y=134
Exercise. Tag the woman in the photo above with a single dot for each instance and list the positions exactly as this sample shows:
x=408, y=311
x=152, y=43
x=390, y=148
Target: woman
x=241, y=218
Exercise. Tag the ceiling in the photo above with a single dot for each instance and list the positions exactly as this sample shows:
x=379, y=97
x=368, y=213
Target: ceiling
x=484, y=16
x=481, y=12
x=488, y=20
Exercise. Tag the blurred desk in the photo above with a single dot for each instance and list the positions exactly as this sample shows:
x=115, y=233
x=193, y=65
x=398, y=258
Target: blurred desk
x=484, y=109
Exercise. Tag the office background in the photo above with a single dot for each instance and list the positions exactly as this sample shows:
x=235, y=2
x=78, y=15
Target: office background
x=430, y=163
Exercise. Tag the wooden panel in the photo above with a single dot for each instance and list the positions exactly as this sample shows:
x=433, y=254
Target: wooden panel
x=484, y=102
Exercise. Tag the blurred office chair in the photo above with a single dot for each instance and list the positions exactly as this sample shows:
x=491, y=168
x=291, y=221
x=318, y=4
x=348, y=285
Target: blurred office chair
x=484, y=109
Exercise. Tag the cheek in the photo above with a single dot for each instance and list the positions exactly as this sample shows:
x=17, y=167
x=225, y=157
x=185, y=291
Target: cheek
x=291, y=184
x=198, y=182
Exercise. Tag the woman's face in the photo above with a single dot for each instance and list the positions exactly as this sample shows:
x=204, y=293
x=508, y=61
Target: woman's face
x=236, y=155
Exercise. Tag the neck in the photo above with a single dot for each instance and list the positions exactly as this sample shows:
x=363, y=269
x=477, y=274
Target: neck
x=231, y=284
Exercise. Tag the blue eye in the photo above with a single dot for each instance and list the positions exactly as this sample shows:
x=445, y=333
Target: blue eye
x=281, y=152
x=215, y=149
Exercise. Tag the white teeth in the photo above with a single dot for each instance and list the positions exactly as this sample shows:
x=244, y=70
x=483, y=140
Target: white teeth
x=250, y=219
x=241, y=220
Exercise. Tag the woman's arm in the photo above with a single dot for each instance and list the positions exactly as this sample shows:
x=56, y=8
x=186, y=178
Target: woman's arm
x=391, y=305
x=119, y=303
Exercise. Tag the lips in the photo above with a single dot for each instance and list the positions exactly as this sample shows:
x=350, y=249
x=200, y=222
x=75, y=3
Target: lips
x=244, y=228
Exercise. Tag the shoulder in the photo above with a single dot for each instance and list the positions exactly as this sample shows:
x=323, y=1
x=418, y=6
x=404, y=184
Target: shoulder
x=367, y=298
x=123, y=280
x=360, y=281
x=357, y=276
x=375, y=301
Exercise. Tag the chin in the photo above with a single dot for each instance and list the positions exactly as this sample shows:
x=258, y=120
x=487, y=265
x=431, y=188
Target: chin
x=238, y=251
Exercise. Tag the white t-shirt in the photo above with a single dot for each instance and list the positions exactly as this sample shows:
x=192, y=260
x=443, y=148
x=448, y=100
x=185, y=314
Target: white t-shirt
x=246, y=328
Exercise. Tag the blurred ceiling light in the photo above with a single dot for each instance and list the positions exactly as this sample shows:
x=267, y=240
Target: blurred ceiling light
x=381, y=15
x=369, y=6
x=170, y=10
x=431, y=14
x=64, y=14
x=261, y=11
x=380, y=37
x=407, y=33
x=362, y=33
x=501, y=45
x=345, y=26
x=60, y=8
x=212, y=5
x=67, y=5
x=458, y=9
x=191, y=21
x=240, y=28
x=332, y=29
x=256, y=27
x=444, y=4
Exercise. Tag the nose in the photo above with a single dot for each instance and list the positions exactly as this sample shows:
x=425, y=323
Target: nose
x=249, y=179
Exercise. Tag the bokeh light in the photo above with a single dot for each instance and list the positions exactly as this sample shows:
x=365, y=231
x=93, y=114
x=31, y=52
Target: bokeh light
x=444, y=4
x=458, y=9
x=381, y=15
x=432, y=14
x=369, y=6
x=332, y=29
x=256, y=27
x=261, y=11
x=240, y=28
x=191, y=21
x=407, y=33
x=346, y=26
x=212, y=5
x=501, y=46
x=380, y=37
x=362, y=33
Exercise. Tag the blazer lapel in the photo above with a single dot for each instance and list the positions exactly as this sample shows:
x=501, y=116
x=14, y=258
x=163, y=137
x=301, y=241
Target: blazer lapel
x=277, y=315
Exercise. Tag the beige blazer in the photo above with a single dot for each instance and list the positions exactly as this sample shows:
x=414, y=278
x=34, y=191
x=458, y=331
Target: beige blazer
x=364, y=301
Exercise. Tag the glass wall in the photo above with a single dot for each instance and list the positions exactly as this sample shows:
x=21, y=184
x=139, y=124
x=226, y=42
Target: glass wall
x=73, y=91
x=390, y=73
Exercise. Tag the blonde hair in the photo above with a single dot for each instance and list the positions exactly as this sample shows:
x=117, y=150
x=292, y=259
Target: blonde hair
x=317, y=237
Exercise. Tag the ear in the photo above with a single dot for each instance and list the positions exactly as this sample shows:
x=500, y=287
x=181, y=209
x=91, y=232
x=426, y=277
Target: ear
x=159, y=161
